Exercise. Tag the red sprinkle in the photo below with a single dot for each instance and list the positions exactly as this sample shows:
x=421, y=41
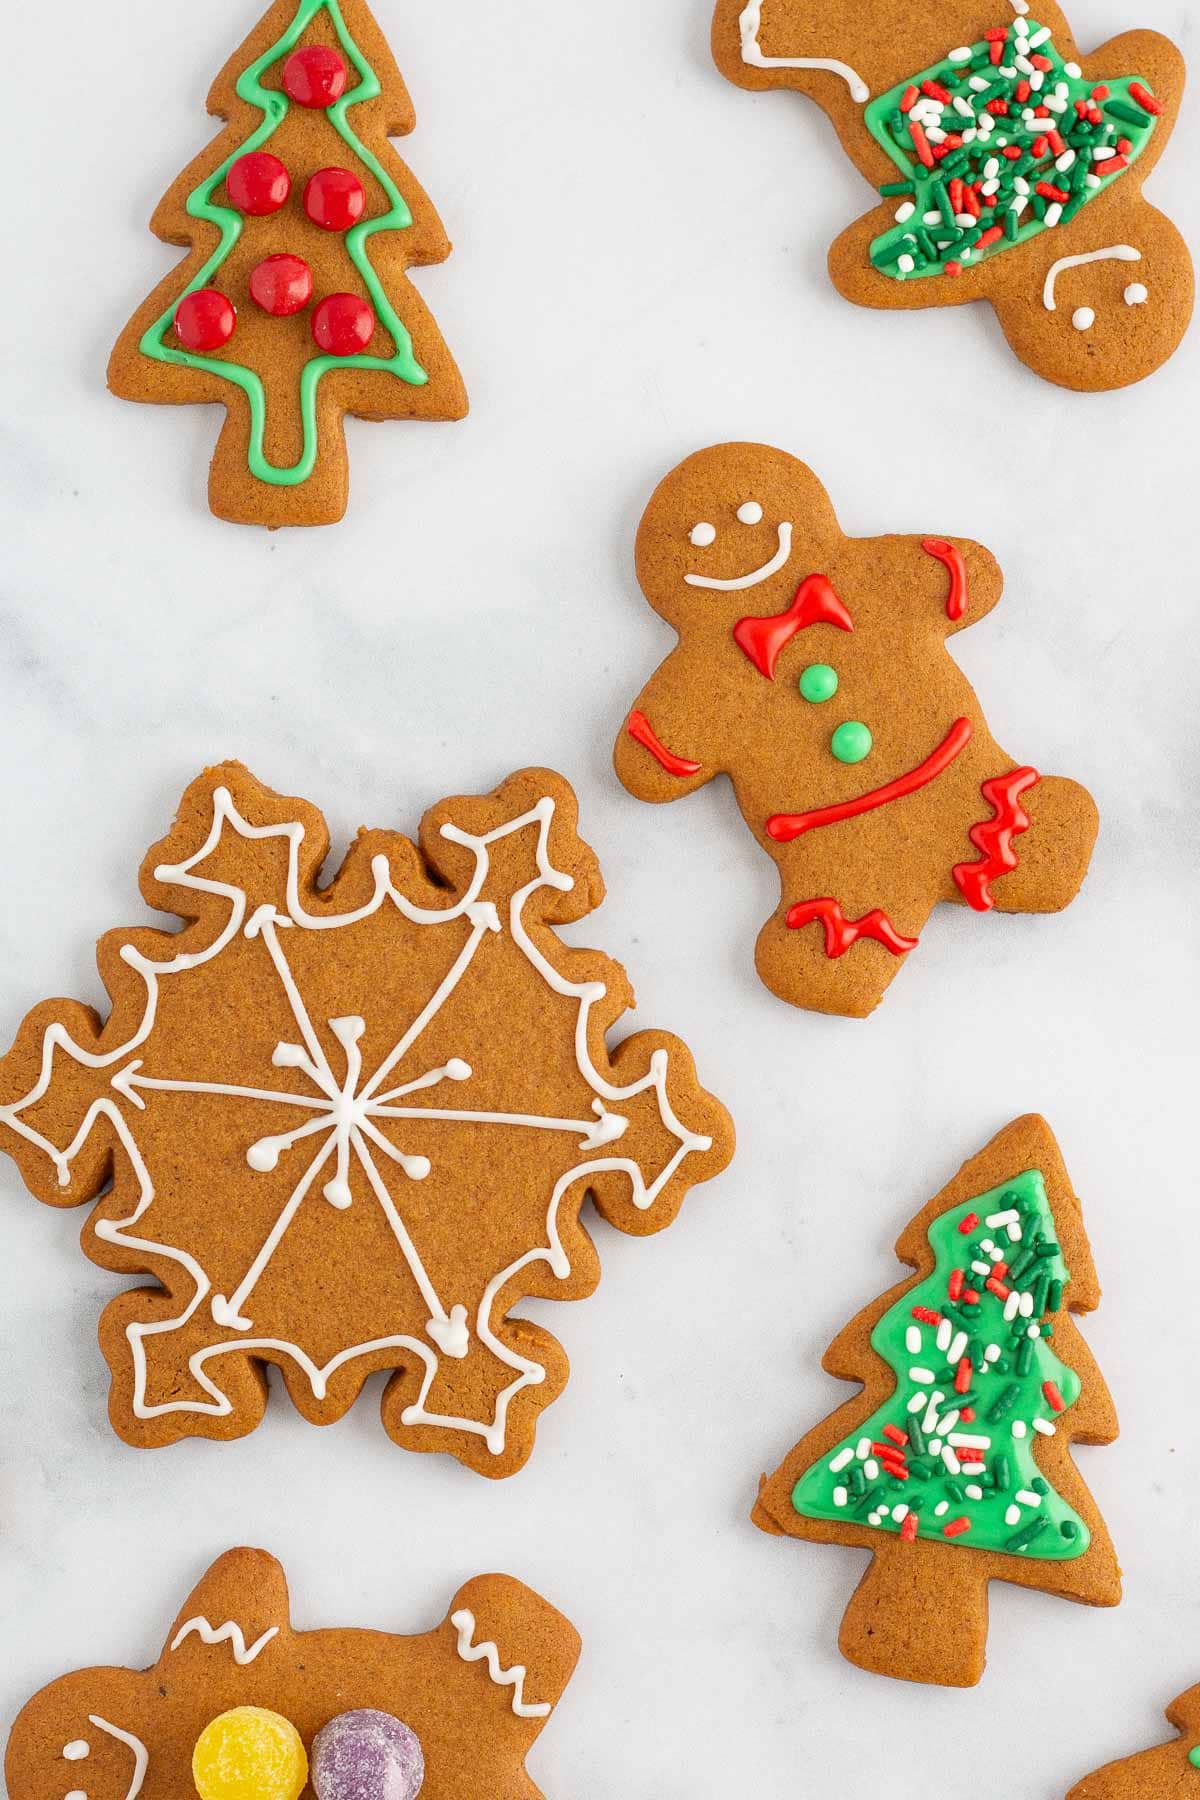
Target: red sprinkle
x=956, y=1284
x=1124, y=145
x=1144, y=98
x=996, y=52
x=1056, y=142
x=1101, y=92
x=997, y=35
x=1055, y=1399
x=1041, y=62
x=967, y=1414
x=897, y=1471
x=887, y=1450
x=972, y=200
x=1000, y=1270
x=962, y=1376
x=998, y=107
x=1095, y=116
x=952, y=268
x=971, y=1295
x=1040, y=146
x=895, y=1434
x=936, y=91
x=967, y=1225
x=1012, y=152
x=956, y=1527
x=1111, y=166
x=908, y=98
x=994, y=1285
x=908, y=1529
x=926, y=1315
x=1048, y=191
x=921, y=143
x=1023, y=91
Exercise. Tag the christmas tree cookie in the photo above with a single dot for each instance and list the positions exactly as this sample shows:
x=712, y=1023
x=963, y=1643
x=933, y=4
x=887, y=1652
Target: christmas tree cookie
x=240, y=1706
x=349, y=1127
x=1009, y=167
x=953, y=1465
x=293, y=306
x=812, y=669
x=1168, y=1772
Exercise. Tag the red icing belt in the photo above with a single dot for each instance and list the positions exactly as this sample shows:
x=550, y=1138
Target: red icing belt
x=951, y=556
x=642, y=732
x=994, y=838
x=841, y=932
x=785, y=827
x=816, y=603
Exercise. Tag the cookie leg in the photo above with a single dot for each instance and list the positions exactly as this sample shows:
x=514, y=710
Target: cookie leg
x=919, y=1614
x=831, y=958
x=1053, y=855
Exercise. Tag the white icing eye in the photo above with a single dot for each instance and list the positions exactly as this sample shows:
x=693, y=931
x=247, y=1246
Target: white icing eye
x=1083, y=318
x=1136, y=294
x=703, y=535
x=750, y=513
x=76, y=1750
x=77, y=1794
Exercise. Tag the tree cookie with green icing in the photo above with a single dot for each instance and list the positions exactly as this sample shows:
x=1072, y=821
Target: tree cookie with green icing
x=1167, y=1772
x=242, y=1706
x=1009, y=167
x=347, y=1125
x=953, y=1465
x=812, y=668
x=293, y=306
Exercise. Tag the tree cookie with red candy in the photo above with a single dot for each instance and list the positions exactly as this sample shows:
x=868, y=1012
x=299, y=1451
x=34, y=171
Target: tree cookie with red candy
x=240, y=1706
x=1009, y=167
x=953, y=1465
x=811, y=669
x=1167, y=1772
x=293, y=306
x=350, y=1127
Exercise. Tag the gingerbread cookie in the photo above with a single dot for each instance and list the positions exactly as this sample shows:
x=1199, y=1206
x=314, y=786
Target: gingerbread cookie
x=293, y=306
x=811, y=670
x=350, y=1127
x=1010, y=168
x=1168, y=1772
x=953, y=1465
x=240, y=1706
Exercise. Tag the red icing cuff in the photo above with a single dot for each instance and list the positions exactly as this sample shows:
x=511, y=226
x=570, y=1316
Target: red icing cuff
x=951, y=556
x=994, y=838
x=642, y=732
x=841, y=933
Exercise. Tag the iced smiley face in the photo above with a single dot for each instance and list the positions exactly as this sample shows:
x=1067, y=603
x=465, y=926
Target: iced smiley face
x=812, y=670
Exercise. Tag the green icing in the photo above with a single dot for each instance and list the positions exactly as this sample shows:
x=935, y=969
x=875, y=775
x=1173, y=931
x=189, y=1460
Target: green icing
x=159, y=341
x=930, y=246
x=851, y=742
x=818, y=682
x=1194, y=1757
x=1006, y=1393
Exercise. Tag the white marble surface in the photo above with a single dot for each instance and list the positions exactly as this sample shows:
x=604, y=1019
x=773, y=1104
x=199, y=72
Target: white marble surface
x=639, y=271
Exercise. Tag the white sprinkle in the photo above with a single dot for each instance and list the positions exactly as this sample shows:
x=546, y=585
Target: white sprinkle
x=1021, y=26
x=1035, y=1331
x=963, y=107
x=991, y=169
x=981, y=1268
x=1011, y=1307
x=1026, y=1305
x=1065, y=161
x=967, y=219
x=1062, y=91
x=1026, y=67
x=935, y=134
x=1008, y=74
x=1136, y=294
x=962, y=54
x=900, y=1513
x=873, y=1518
x=992, y=1353
x=905, y=264
x=1014, y=1231
x=863, y=1448
x=1019, y=1428
x=1021, y=185
x=917, y=1402
x=1027, y=1498
x=920, y=1374
x=1044, y=1426
x=996, y=1254
x=957, y=1347
x=840, y=1496
x=1092, y=181
x=905, y=212
x=1073, y=70
x=1003, y=1218
x=986, y=1244
x=933, y=218
x=1103, y=152
x=953, y=1466
x=971, y=1441
x=1039, y=37
x=1013, y=1516
x=969, y=135
x=930, y=1420
x=944, y=1333
x=840, y=1460
x=871, y=1469
x=948, y=1421
x=1018, y=207
x=912, y=1340
x=1037, y=80
x=979, y=84
x=973, y=1468
x=974, y=1491
x=934, y=1446
x=883, y=1511
x=943, y=1506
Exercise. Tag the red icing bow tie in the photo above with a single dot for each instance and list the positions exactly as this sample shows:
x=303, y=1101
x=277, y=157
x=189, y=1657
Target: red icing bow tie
x=816, y=603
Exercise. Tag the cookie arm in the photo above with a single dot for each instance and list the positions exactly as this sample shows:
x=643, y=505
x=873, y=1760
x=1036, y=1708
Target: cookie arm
x=664, y=748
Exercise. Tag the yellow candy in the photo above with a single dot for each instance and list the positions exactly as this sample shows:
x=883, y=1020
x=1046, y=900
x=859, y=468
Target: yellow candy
x=249, y=1754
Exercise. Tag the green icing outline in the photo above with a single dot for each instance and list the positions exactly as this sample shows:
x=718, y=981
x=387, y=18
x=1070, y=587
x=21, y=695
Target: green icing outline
x=812, y=1495
x=274, y=104
x=877, y=112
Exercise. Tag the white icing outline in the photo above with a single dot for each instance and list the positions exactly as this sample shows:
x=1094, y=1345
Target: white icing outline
x=230, y=1634
x=1114, y=253
x=350, y=1121
x=463, y=1622
x=141, y=1756
x=756, y=575
x=749, y=24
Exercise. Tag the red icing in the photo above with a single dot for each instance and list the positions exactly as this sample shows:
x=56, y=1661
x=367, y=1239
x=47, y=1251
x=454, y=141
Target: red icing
x=281, y=285
x=205, y=320
x=342, y=325
x=994, y=839
x=642, y=732
x=951, y=556
x=334, y=199
x=786, y=827
x=258, y=183
x=841, y=933
x=314, y=75
x=816, y=603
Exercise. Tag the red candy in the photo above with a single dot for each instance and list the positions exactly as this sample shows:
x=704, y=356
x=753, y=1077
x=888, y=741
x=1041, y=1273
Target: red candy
x=342, y=325
x=314, y=76
x=205, y=320
x=334, y=199
x=258, y=183
x=281, y=285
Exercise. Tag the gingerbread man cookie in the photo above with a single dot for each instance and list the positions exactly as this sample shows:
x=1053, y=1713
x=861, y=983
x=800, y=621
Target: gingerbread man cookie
x=1167, y=1772
x=1010, y=167
x=349, y=1127
x=293, y=306
x=240, y=1706
x=812, y=670
x=953, y=1465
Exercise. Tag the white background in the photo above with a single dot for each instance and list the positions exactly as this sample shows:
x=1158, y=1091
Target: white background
x=640, y=270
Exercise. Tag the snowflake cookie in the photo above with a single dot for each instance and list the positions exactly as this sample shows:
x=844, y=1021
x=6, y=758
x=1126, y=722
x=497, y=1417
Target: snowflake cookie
x=349, y=1128
x=239, y=1704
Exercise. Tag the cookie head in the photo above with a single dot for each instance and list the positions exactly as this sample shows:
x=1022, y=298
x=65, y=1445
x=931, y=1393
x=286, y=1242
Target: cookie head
x=65, y=1745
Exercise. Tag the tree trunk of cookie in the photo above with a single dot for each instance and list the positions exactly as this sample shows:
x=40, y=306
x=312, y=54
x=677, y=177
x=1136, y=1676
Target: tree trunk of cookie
x=920, y=1614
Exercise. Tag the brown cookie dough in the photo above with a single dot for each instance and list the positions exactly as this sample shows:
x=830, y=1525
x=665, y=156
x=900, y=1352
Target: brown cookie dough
x=1168, y=1772
x=350, y=1127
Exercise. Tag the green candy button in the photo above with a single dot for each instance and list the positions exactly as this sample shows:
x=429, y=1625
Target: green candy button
x=1194, y=1757
x=818, y=682
x=851, y=742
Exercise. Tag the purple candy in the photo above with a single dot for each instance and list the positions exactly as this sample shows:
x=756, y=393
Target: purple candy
x=367, y=1756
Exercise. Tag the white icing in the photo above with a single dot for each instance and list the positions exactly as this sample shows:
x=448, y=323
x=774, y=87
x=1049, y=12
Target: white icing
x=756, y=575
x=464, y=1623
x=1115, y=253
x=750, y=513
x=1083, y=318
x=749, y=24
x=702, y=535
x=141, y=1756
x=230, y=1634
x=1136, y=294
x=77, y=1794
x=346, y=1111
x=76, y=1750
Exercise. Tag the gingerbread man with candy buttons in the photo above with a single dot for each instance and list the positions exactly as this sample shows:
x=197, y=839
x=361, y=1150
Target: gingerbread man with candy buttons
x=812, y=670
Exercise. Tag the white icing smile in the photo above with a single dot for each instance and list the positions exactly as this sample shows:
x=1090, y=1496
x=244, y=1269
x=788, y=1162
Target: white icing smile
x=756, y=575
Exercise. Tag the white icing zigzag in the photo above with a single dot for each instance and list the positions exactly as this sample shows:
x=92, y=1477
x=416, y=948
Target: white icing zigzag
x=342, y=1116
x=230, y=1634
x=464, y=1623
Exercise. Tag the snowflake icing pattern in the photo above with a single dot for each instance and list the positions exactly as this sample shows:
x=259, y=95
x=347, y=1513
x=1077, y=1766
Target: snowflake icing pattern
x=348, y=1128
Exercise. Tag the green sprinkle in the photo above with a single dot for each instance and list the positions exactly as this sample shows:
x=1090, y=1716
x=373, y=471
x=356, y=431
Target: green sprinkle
x=857, y=1480
x=1005, y=1402
x=1040, y=1485
x=1024, y=1356
x=1002, y=1470
x=920, y=1470
x=897, y=187
x=954, y=1489
x=1130, y=115
x=1025, y=1537
x=869, y=1498
x=1069, y=1529
x=916, y=1436
x=1046, y=1248
x=1054, y=1297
